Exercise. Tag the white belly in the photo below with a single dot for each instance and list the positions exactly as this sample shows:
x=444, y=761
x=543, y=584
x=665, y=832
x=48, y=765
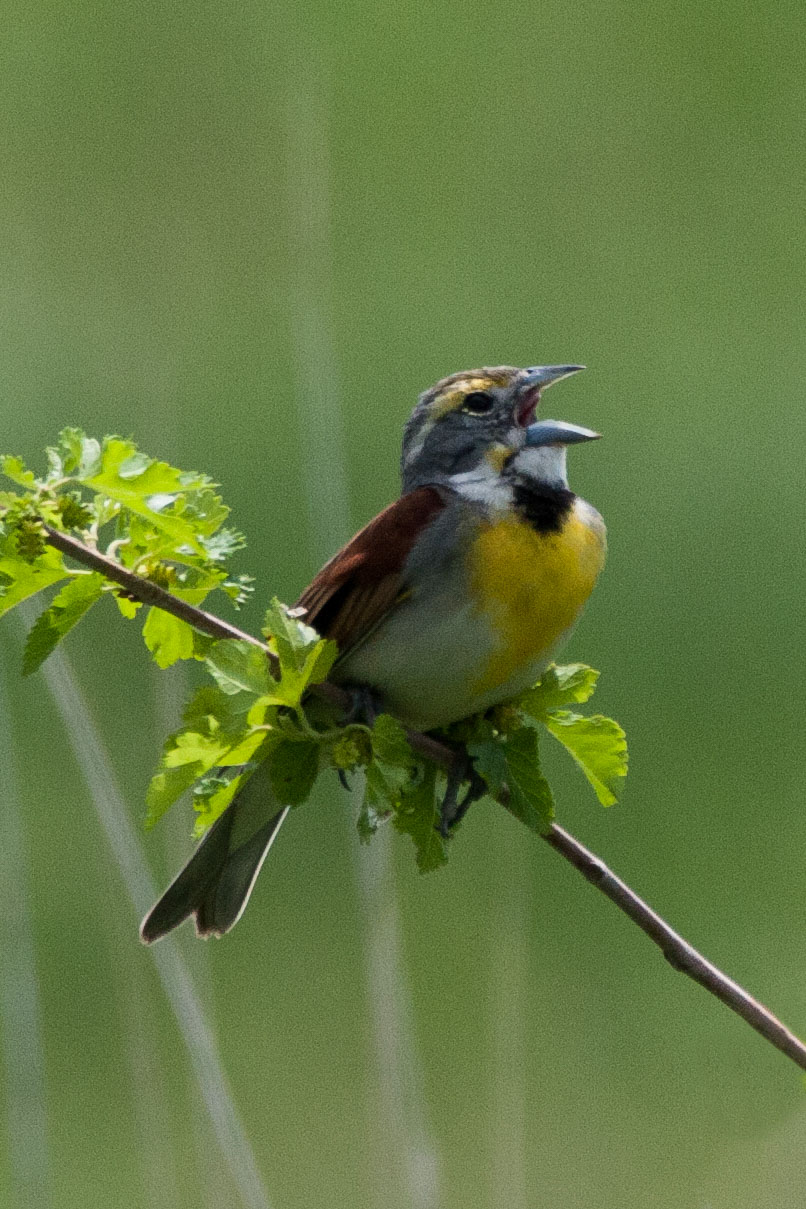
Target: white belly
x=425, y=672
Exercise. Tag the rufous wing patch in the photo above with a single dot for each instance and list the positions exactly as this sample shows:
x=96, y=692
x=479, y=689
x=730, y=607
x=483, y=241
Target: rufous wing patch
x=361, y=583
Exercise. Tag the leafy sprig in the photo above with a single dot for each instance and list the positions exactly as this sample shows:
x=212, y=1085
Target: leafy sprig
x=162, y=524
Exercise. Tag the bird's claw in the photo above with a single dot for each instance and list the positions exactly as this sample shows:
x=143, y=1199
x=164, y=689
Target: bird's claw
x=453, y=809
x=365, y=705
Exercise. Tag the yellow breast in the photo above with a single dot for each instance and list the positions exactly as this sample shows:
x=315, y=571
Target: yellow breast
x=532, y=587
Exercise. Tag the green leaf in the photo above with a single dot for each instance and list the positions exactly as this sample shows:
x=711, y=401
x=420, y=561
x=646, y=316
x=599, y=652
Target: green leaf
x=66, y=610
x=239, y=588
x=166, y=786
x=385, y=784
x=530, y=796
x=129, y=608
x=20, y=579
x=292, y=638
x=243, y=751
x=147, y=488
x=559, y=687
x=212, y=797
x=598, y=745
x=490, y=762
x=167, y=637
x=239, y=666
x=211, y=710
x=418, y=816
x=14, y=468
x=193, y=747
x=319, y=661
x=74, y=455
x=304, y=657
x=389, y=742
x=293, y=767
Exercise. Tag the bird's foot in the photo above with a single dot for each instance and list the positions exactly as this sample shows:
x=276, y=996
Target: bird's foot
x=365, y=705
x=454, y=808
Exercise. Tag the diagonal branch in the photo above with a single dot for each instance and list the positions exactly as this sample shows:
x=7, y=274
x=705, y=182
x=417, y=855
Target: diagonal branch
x=677, y=951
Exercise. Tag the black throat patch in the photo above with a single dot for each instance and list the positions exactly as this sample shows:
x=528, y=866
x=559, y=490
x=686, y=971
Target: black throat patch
x=545, y=508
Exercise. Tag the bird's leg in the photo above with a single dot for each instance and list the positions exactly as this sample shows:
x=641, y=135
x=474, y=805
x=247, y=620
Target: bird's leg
x=453, y=809
x=365, y=705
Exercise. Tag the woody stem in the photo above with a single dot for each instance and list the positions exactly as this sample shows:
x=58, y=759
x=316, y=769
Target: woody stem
x=678, y=952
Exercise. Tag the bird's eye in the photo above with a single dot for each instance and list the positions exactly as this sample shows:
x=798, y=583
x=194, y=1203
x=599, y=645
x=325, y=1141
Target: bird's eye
x=478, y=403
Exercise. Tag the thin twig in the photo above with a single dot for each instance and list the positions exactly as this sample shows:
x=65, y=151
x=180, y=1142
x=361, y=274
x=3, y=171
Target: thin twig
x=677, y=951
x=146, y=591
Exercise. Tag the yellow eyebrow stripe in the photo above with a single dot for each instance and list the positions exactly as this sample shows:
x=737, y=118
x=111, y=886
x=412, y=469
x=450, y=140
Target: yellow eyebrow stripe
x=454, y=398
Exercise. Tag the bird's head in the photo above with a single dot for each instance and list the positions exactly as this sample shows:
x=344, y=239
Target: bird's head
x=479, y=421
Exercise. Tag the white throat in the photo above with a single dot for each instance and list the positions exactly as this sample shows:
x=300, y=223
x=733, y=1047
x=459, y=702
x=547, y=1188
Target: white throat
x=542, y=464
x=483, y=485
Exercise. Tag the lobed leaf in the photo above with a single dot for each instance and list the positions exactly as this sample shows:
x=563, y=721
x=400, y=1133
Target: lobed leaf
x=75, y=455
x=530, y=797
x=293, y=768
x=418, y=817
x=239, y=666
x=389, y=742
x=14, y=468
x=66, y=610
x=146, y=487
x=165, y=787
x=559, y=687
x=291, y=637
x=212, y=797
x=20, y=578
x=598, y=745
x=167, y=637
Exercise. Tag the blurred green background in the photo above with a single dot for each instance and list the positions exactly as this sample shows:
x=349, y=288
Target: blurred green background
x=248, y=236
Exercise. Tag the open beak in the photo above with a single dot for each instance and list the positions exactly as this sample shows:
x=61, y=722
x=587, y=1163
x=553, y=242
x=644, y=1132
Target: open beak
x=534, y=380
x=557, y=432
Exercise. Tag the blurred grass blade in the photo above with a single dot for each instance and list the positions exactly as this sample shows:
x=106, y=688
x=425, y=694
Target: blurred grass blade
x=409, y=1143
x=124, y=843
x=20, y=1018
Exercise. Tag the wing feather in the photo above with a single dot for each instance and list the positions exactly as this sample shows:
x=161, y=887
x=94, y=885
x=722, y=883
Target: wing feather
x=360, y=584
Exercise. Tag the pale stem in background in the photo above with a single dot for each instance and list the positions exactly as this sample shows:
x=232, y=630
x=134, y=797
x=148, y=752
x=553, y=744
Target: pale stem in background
x=20, y=1017
x=509, y=1010
x=169, y=697
x=408, y=1144
x=124, y=843
x=154, y=1123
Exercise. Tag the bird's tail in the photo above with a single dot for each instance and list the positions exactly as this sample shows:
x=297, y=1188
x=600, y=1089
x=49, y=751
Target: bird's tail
x=215, y=884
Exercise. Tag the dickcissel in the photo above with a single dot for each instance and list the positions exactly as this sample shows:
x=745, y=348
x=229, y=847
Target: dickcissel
x=454, y=598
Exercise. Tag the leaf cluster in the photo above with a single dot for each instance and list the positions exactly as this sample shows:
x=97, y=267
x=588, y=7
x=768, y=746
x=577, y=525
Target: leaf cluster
x=156, y=521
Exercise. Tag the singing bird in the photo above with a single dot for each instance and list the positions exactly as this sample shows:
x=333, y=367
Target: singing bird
x=453, y=599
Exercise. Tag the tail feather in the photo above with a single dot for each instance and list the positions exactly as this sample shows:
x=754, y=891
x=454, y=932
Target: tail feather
x=215, y=884
x=224, y=903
